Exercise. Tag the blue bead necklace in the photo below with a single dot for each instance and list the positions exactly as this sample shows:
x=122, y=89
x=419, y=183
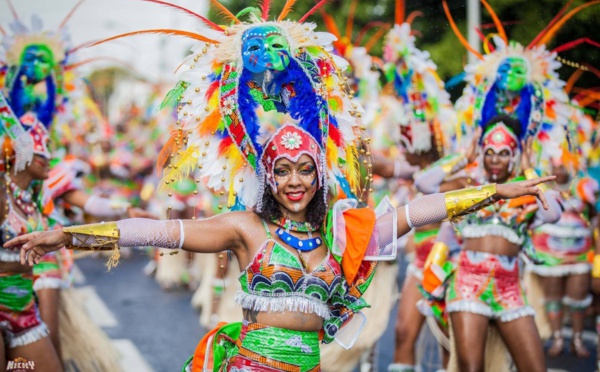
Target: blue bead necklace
x=305, y=245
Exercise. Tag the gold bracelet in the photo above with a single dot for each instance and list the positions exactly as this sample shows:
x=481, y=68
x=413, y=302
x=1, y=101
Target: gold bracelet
x=531, y=174
x=438, y=255
x=464, y=201
x=95, y=237
x=448, y=167
x=596, y=266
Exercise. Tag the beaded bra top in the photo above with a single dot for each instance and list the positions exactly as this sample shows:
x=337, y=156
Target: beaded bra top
x=15, y=225
x=275, y=280
x=506, y=218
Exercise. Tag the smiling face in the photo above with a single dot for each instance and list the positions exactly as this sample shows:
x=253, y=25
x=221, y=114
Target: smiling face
x=512, y=74
x=265, y=48
x=37, y=62
x=296, y=184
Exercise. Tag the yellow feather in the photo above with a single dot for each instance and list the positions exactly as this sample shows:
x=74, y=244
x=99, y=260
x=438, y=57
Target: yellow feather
x=352, y=167
x=332, y=153
x=182, y=166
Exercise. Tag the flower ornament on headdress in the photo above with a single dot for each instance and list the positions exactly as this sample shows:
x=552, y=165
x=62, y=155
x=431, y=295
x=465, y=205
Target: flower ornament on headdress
x=420, y=105
x=237, y=72
x=21, y=138
x=521, y=82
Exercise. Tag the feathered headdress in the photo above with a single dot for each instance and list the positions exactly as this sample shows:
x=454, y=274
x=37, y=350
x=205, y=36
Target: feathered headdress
x=220, y=101
x=420, y=105
x=541, y=106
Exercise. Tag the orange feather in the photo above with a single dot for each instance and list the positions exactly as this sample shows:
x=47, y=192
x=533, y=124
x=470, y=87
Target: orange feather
x=223, y=10
x=169, y=148
x=496, y=20
x=460, y=37
x=210, y=124
x=550, y=34
x=162, y=31
x=287, y=8
x=64, y=22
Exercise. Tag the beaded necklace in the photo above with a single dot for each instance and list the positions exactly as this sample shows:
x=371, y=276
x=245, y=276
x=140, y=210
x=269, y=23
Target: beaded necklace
x=304, y=245
x=23, y=198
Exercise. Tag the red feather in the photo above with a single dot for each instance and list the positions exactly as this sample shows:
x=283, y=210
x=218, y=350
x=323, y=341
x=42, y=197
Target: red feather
x=211, y=89
x=209, y=23
x=319, y=5
x=265, y=7
x=335, y=135
x=224, y=145
x=64, y=22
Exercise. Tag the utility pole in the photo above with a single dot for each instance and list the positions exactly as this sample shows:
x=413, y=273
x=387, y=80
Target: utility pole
x=473, y=22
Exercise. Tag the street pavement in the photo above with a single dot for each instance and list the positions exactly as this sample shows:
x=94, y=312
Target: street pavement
x=157, y=331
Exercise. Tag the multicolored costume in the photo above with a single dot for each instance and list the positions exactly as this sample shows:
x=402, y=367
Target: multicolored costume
x=19, y=318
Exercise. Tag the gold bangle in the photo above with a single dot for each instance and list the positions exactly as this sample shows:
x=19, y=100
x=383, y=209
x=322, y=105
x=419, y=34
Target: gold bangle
x=95, y=237
x=450, y=164
x=596, y=266
x=438, y=255
x=464, y=201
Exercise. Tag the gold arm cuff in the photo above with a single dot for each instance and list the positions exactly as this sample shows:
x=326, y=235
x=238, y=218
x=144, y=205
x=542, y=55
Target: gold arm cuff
x=438, y=255
x=464, y=201
x=95, y=237
x=449, y=166
x=596, y=267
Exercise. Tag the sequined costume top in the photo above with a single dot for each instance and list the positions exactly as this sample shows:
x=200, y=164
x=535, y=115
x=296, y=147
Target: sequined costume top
x=15, y=225
x=506, y=218
x=570, y=238
x=275, y=279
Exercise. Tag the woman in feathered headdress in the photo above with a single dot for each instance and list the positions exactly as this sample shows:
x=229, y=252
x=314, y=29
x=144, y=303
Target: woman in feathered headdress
x=417, y=115
x=304, y=265
x=514, y=98
x=24, y=164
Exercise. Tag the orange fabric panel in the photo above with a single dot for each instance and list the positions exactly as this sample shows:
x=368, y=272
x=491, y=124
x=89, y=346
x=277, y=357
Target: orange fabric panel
x=360, y=224
x=200, y=352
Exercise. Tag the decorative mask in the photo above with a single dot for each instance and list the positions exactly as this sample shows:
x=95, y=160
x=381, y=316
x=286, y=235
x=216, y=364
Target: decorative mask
x=512, y=74
x=265, y=48
x=291, y=142
x=37, y=62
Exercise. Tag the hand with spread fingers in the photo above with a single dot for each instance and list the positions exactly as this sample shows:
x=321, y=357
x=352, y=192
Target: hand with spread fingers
x=513, y=190
x=35, y=245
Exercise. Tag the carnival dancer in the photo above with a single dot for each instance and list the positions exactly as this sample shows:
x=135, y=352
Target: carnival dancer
x=562, y=249
x=35, y=82
x=295, y=292
x=25, y=163
x=417, y=109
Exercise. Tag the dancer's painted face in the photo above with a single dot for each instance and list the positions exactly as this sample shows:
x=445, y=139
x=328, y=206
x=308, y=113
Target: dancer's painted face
x=37, y=62
x=512, y=74
x=296, y=183
x=265, y=48
x=500, y=148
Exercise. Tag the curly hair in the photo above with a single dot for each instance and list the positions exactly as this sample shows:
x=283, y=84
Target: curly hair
x=316, y=210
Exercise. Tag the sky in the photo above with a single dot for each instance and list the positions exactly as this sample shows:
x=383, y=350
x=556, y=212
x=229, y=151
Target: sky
x=155, y=57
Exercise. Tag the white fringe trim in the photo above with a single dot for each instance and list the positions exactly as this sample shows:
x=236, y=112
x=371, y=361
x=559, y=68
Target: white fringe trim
x=28, y=337
x=577, y=304
x=48, y=283
x=475, y=307
x=292, y=302
x=480, y=231
x=9, y=256
x=560, y=270
x=563, y=231
x=401, y=367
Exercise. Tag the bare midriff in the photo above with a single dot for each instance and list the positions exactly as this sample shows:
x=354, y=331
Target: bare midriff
x=492, y=244
x=14, y=267
x=295, y=320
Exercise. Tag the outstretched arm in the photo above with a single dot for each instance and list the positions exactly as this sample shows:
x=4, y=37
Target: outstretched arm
x=454, y=204
x=204, y=236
